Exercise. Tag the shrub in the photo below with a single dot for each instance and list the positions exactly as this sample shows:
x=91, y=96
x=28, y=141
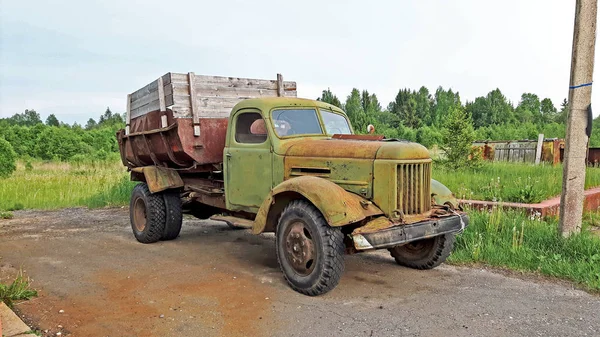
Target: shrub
x=457, y=137
x=8, y=159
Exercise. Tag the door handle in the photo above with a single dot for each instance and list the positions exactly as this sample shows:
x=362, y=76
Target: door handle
x=228, y=155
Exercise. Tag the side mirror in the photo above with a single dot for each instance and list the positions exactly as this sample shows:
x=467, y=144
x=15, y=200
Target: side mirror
x=370, y=129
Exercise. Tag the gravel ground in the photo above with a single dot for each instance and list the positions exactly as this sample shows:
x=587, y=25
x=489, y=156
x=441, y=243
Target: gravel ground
x=213, y=281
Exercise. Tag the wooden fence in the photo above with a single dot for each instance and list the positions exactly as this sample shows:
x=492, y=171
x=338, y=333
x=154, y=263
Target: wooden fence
x=522, y=151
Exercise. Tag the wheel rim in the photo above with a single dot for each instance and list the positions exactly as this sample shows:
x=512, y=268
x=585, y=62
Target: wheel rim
x=300, y=248
x=139, y=214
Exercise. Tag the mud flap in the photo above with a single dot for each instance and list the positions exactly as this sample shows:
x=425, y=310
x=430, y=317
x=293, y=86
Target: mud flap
x=159, y=178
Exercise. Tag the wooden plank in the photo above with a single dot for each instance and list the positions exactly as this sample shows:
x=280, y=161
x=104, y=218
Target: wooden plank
x=161, y=94
x=152, y=87
x=209, y=112
x=166, y=78
x=205, y=90
x=538, y=152
x=193, y=104
x=128, y=114
x=151, y=97
x=153, y=106
x=231, y=81
x=280, y=85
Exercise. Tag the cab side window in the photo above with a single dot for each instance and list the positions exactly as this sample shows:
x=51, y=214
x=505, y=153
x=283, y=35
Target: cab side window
x=250, y=128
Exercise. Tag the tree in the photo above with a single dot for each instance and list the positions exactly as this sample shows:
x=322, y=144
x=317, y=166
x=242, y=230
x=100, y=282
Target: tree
x=91, y=123
x=110, y=119
x=563, y=114
x=8, y=159
x=457, y=137
x=328, y=97
x=444, y=102
x=354, y=110
x=548, y=110
x=409, y=115
x=52, y=120
x=27, y=118
x=529, y=109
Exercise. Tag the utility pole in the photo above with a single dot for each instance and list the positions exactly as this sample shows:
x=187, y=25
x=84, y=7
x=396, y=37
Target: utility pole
x=580, y=95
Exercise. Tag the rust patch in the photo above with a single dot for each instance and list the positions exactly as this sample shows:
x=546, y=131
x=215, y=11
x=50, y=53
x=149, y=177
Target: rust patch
x=338, y=206
x=124, y=303
x=374, y=225
x=159, y=178
x=359, y=137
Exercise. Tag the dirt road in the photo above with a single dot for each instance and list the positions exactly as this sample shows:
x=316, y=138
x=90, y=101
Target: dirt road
x=213, y=281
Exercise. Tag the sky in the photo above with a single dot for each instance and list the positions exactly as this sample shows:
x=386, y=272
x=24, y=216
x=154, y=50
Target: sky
x=75, y=58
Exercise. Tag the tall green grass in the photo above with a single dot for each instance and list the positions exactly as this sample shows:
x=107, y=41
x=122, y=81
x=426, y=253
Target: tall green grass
x=57, y=185
x=19, y=289
x=514, y=182
x=512, y=239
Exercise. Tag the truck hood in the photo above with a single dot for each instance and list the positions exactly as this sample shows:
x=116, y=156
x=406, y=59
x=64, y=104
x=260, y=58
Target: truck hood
x=360, y=149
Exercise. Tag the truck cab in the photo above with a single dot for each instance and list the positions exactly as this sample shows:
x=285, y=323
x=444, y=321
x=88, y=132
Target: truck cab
x=295, y=167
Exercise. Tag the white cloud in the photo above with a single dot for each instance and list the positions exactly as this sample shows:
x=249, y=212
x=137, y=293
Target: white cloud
x=101, y=50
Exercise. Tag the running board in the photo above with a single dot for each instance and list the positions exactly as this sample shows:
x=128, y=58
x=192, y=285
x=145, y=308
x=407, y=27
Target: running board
x=233, y=221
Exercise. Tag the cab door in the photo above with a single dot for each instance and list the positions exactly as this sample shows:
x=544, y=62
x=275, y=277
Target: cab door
x=248, y=156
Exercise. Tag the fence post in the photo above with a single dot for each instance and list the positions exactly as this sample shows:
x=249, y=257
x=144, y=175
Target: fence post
x=538, y=151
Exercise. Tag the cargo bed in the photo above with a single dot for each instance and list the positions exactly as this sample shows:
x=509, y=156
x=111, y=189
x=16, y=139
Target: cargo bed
x=180, y=120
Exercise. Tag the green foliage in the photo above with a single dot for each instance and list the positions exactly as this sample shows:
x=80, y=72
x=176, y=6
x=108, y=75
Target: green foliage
x=51, y=185
x=7, y=159
x=18, y=290
x=327, y=96
x=52, y=120
x=512, y=239
x=57, y=144
x=457, y=137
x=6, y=215
x=510, y=182
x=58, y=141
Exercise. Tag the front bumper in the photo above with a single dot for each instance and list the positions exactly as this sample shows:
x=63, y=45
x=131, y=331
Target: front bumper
x=402, y=234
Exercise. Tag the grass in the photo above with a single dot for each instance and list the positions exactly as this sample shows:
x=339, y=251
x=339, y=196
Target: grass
x=59, y=185
x=511, y=239
x=18, y=290
x=511, y=182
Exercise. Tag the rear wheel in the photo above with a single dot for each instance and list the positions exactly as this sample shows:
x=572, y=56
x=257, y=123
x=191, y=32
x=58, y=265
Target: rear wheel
x=174, y=215
x=309, y=251
x=424, y=254
x=147, y=214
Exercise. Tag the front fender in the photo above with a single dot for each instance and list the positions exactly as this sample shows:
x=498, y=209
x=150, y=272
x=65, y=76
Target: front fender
x=338, y=206
x=442, y=194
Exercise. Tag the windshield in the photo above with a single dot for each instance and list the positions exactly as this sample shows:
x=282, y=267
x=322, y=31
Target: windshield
x=335, y=124
x=289, y=122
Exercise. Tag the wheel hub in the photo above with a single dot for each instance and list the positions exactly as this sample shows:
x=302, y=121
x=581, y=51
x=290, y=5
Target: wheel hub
x=139, y=214
x=300, y=248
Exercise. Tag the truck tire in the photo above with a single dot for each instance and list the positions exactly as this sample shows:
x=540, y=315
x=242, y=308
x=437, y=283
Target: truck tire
x=147, y=214
x=174, y=215
x=309, y=251
x=424, y=254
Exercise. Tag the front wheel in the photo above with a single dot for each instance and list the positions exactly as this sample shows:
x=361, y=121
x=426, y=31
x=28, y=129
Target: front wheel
x=424, y=254
x=309, y=251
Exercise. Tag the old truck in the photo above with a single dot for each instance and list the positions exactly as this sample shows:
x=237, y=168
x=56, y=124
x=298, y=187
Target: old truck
x=249, y=153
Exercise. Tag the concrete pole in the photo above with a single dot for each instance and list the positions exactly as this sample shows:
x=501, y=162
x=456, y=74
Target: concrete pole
x=580, y=95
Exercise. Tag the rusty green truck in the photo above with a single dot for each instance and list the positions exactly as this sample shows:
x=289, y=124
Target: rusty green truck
x=251, y=154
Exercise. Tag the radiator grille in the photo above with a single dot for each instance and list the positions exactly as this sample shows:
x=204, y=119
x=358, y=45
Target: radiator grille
x=414, y=188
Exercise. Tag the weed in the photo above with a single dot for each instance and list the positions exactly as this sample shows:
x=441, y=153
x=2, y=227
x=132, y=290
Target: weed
x=6, y=215
x=51, y=185
x=509, y=182
x=512, y=239
x=19, y=289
